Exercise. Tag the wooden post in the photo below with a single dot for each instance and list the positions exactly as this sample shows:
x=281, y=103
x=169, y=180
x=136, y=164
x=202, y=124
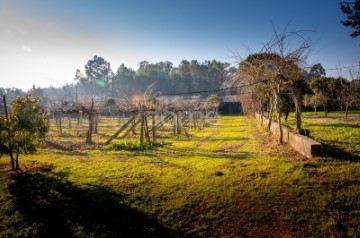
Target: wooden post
x=122, y=128
x=91, y=122
x=56, y=121
x=130, y=129
x=153, y=128
x=142, y=129
x=96, y=124
x=178, y=123
x=59, y=118
x=80, y=118
x=69, y=118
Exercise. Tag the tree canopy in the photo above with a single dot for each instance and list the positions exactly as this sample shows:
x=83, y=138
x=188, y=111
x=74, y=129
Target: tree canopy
x=22, y=129
x=352, y=11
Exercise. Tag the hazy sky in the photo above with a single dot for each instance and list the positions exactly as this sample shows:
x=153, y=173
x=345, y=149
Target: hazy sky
x=43, y=42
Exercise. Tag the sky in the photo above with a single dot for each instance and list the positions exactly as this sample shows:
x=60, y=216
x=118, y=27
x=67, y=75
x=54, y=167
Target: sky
x=44, y=42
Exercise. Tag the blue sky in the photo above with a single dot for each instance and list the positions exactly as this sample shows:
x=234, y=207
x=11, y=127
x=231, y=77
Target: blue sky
x=43, y=42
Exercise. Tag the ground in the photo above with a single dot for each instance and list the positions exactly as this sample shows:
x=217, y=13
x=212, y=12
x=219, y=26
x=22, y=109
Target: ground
x=230, y=179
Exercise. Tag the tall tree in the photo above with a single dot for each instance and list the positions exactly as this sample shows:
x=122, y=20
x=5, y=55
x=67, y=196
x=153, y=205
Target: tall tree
x=352, y=11
x=98, y=71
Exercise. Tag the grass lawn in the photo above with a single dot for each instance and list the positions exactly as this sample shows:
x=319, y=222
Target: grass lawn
x=227, y=180
x=340, y=136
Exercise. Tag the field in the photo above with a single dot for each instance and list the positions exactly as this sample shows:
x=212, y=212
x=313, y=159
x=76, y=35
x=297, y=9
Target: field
x=230, y=179
x=340, y=136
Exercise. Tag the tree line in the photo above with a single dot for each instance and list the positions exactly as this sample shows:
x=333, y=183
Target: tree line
x=164, y=78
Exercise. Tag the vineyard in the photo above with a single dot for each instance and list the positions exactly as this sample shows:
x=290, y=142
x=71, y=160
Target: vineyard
x=226, y=178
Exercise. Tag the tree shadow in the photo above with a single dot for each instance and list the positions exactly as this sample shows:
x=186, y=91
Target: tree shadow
x=336, y=125
x=58, y=208
x=338, y=153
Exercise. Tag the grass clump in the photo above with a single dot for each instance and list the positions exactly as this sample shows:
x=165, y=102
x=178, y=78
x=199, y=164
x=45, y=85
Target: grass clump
x=131, y=145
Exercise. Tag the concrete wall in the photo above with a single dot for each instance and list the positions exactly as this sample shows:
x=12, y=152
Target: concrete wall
x=303, y=144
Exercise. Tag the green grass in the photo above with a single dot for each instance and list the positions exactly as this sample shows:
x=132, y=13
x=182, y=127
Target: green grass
x=226, y=180
x=340, y=136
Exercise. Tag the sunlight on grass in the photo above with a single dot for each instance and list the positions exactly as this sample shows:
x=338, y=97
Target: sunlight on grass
x=227, y=180
x=333, y=130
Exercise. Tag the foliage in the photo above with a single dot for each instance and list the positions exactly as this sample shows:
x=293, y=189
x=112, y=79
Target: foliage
x=317, y=70
x=23, y=130
x=350, y=95
x=213, y=101
x=98, y=69
x=333, y=92
x=131, y=145
x=352, y=11
x=314, y=100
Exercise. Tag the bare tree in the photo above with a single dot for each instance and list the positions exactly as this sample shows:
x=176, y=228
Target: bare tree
x=280, y=66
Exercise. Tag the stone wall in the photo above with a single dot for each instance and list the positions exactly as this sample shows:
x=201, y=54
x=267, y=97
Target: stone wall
x=303, y=144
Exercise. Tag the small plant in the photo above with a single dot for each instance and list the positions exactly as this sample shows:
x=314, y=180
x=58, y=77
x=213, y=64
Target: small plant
x=22, y=130
x=130, y=145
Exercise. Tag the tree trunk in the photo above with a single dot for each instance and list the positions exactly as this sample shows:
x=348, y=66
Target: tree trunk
x=96, y=123
x=80, y=119
x=10, y=135
x=12, y=160
x=325, y=110
x=270, y=109
x=69, y=118
x=278, y=111
x=17, y=167
x=178, y=123
x=346, y=112
x=60, y=126
x=296, y=96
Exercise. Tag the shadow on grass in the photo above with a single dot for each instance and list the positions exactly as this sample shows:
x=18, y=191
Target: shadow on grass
x=335, y=125
x=338, y=153
x=54, y=207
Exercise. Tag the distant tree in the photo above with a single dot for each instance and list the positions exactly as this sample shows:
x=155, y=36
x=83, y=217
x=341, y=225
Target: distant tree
x=314, y=100
x=213, y=102
x=352, y=11
x=39, y=93
x=317, y=70
x=79, y=77
x=350, y=95
x=328, y=89
x=185, y=79
x=22, y=129
x=98, y=69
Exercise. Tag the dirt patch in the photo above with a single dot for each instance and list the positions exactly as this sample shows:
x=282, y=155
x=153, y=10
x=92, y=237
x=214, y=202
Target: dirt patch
x=202, y=140
x=229, y=148
x=70, y=146
x=269, y=143
x=5, y=169
x=254, y=218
